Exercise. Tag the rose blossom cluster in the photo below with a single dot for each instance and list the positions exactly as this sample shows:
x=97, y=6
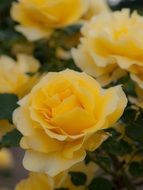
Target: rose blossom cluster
x=62, y=115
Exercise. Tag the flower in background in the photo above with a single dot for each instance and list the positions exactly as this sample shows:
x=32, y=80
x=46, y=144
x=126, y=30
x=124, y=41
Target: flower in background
x=63, y=116
x=96, y=7
x=15, y=75
x=111, y=46
x=38, y=181
x=38, y=19
x=5, y=127
x=6, y=159
x=15, y=79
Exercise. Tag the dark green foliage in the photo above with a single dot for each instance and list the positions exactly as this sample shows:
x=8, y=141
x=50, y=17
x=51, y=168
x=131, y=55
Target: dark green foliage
x=78, y=178
x=132, y=4
x=47, y=56
x=111, y=155
x=5, y=4
x=135, y=132
x=11, y=139
x=71, y=30
x=117, y=147
x=8, y=103
x=100, y=183
x=8, y=35
x=133, y=119
x=129, y=115
x=127, y=84
x=136, y=169
x=104, y=161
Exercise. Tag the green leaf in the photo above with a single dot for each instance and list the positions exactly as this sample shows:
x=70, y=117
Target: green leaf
x=78, y=178
x=129, y=115
x=8, y=103
x=136, y=169
x=71, y=30
x=11, y=139
x=139, y=119
x=117, y=147
x=129, y=88
x=104, y=161
x=128, y=85
x=135, y=132
x=100, y=183
x=5, y=3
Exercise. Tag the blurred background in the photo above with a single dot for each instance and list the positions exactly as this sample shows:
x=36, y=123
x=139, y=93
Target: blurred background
x=9, y=177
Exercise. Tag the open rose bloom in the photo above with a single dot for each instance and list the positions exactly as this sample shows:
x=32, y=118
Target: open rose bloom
x=38, y=18
x=111, y=46
x=64, y=116
x=14, y=79
x=19, y=82
x=71, y=95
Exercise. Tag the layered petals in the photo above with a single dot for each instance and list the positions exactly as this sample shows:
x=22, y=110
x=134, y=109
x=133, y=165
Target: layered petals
x=64, y=116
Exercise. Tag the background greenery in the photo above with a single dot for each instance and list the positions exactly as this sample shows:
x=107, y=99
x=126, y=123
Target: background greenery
x=121, y=156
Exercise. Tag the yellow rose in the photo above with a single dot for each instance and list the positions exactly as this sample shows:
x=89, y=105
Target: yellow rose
x=38, y=18
x=38, y=181
x=63, y=116
x=5, y=127
x=96, y=7
x=112, y=45
x=14, y=76
x=6, y=160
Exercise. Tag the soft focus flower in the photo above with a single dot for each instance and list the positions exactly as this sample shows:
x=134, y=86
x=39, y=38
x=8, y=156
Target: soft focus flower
x=63, y=116
x=111, y=45
x=14, y=79
x=14, y=75
x=38, y=181
x=96, y=7
x=38, y=18
x=5, y=127
x=6, y=160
